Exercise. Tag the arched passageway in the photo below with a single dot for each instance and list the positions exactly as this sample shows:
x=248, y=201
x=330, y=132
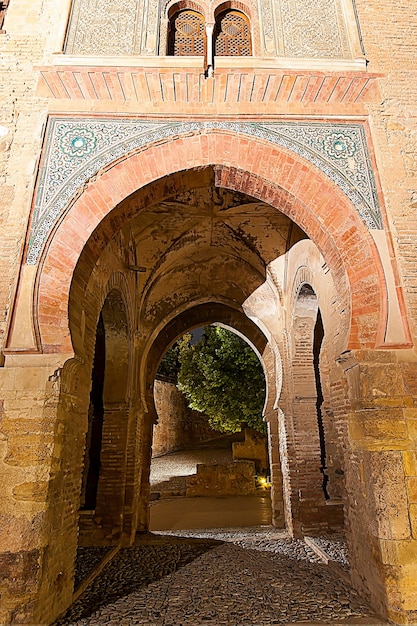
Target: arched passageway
x=212, y=228
x=209, y=456
x=105, y=456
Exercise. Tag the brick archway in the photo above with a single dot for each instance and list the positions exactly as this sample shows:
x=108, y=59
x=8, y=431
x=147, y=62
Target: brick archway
x=266, y=172
x=196, y=316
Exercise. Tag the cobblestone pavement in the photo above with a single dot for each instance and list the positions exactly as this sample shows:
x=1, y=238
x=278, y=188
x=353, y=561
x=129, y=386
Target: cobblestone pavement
x=86, y=562
x=216, y=577
x=335, y=548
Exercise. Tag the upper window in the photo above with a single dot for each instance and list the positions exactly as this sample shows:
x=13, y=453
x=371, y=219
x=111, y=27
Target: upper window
x=232, y=34
x=187, y=35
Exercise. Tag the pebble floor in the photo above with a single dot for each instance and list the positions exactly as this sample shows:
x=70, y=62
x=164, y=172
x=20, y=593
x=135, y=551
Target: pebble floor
x=216, y=577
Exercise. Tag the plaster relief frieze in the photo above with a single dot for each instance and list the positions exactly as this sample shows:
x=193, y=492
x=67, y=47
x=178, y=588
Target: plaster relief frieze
x=147, y=32
x=272, y=36
x=290, y=28
x=77, y=149
x=103, y=27
x=313, y=29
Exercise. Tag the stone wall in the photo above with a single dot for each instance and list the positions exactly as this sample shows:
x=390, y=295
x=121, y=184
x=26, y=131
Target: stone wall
x=178, y=426
x=253, y=448
x=229, y=479
x=31, y=32
x=381, y=477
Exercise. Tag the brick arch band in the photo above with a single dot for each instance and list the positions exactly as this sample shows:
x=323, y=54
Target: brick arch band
x=252, y=166
x=194, y=317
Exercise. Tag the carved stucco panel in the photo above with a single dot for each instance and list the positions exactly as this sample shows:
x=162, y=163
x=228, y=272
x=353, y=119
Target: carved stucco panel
x=271, y=27
x=311, y=28
x=105, y=27
x=147, y=34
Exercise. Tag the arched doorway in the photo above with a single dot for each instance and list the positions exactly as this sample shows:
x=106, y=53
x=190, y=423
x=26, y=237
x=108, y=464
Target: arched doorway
x=209, y=443
x=313, y=511
x=105, y=458
x=207, y=234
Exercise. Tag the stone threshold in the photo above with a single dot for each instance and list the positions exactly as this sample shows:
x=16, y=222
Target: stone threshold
x=94, y=573
x=333, y=565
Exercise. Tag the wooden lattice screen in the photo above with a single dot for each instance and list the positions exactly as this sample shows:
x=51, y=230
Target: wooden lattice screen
x=187, y=35
x=232, y=35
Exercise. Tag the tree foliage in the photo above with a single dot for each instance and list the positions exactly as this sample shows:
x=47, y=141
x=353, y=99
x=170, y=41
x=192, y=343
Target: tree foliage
x=222, y=377
x=170, y=363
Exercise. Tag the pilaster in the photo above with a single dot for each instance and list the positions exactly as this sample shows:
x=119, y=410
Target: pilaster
x=381, y=479
x=42, y=443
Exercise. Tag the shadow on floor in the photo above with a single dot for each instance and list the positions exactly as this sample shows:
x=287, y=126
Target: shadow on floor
x=251, y=578
x=134, y=568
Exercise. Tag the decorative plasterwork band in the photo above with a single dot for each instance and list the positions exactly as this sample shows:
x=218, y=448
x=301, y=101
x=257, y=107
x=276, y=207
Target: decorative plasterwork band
x=292, y=28
x=76, y=149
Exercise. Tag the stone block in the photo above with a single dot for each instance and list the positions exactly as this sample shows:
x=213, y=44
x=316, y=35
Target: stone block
x=404, y=552
x=412, y=426
x=409, y=372
x=401, y=557
x=381, y=380
x=400, y=617
x=21, y=425
x=407, y=586
x=374, y=357
x=23, y=531
x=237, y=478
x=35, y=491
x=387, y=492
x=34, y=380
x=382, y=428
x=411, y=483
x=413, y=520
x=28, y=450
x=388, y=552
x=20, y=570
x=410, y=463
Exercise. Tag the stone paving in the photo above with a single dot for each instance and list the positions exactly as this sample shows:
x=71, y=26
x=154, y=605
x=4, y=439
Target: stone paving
x=336, y=549
x=216, y=577
x=86, y=562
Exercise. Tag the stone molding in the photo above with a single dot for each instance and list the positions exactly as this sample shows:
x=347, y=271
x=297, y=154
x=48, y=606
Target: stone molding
x=185, y=84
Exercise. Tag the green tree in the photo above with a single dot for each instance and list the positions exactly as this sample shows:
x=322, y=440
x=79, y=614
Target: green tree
x=170, y=364
x=222, y=377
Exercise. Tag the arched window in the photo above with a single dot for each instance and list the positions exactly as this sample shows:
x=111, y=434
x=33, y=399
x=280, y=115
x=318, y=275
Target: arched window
x=232, y=34
x=187, y=35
